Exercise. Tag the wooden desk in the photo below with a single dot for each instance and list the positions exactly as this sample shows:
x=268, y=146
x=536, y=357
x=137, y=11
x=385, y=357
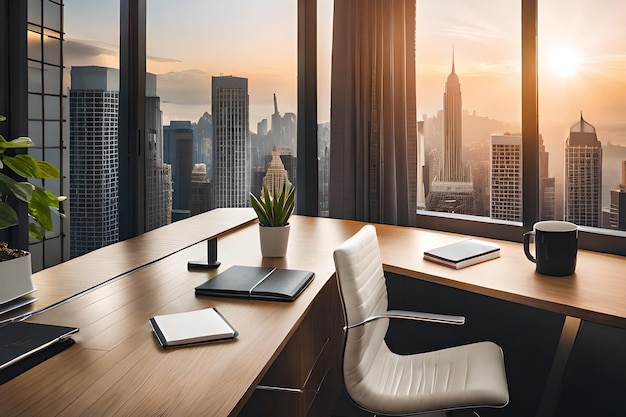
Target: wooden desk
x=117, y=367
x=65, y=280
x=594, y=293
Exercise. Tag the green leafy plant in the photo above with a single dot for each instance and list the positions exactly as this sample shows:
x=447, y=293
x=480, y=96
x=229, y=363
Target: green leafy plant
x=274, y=209
x=41, y=203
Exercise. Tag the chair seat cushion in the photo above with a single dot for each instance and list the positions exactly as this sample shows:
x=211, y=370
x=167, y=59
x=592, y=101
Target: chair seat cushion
x=464, y=376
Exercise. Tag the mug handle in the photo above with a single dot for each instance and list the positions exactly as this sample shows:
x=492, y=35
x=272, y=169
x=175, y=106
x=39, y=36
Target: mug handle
x=527, y=236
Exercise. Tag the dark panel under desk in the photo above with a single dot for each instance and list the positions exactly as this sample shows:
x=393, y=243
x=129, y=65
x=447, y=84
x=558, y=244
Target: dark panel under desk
x=528, y=336
x=595, y=378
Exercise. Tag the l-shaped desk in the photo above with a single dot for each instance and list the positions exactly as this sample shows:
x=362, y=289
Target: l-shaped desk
x=286, y=353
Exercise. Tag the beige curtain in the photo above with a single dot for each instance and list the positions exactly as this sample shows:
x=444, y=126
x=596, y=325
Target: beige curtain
x=373, y=151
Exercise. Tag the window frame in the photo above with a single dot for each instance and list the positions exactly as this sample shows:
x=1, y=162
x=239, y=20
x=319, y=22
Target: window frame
x=601, y=240
x=595, y=239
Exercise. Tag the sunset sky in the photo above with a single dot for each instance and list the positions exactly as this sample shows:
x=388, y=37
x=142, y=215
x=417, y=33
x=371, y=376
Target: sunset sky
x=191, y=40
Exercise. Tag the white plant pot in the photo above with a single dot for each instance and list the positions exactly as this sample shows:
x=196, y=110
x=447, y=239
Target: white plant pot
x=15, y=278
x=274, y=241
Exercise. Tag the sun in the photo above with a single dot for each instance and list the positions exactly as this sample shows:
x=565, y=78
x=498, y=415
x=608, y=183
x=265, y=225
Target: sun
x=564, y=62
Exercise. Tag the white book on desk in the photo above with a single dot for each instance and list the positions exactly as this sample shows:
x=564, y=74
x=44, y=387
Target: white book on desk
x=192, y=327
x=463, y=253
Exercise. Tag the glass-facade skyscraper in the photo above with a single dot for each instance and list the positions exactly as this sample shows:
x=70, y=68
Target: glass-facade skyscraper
x=94, y=159
x=506, y=177
x=94, y=104
x=231, y=142
x=583, y=175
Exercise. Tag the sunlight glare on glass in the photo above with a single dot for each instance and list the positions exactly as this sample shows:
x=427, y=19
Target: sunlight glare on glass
x=564, y=61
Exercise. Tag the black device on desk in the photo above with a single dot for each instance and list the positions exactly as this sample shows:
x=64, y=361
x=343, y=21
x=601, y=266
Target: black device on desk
x=211, y=260
x=24, y=345
x=261, y=283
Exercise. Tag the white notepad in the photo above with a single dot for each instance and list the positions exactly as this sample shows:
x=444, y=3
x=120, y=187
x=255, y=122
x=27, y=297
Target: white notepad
x=463, y=253
x=191, y=327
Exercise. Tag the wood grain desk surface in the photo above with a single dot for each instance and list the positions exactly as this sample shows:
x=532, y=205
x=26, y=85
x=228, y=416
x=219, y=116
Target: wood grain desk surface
x=64, y=280
x=117, y=367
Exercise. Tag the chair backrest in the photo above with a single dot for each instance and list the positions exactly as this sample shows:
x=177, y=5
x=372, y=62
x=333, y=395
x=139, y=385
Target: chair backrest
x=364, y=294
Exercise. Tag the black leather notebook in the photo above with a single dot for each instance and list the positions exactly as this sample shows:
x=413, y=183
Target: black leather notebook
x=24, y=345
x=262, y=283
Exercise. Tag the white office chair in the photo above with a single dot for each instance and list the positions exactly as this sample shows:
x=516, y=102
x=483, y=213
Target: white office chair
x=385, y=383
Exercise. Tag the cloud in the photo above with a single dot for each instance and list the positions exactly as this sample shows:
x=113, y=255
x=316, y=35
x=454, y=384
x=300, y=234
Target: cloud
x=188, y=87
x=162, y=59
x=78, y=52
x=83, y=52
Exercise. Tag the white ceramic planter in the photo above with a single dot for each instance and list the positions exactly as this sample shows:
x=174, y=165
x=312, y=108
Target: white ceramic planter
x=274, y=241
x=15, y=278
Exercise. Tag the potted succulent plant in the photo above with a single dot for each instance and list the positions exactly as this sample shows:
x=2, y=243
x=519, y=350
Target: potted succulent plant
x=273, y=210
x=15, y=264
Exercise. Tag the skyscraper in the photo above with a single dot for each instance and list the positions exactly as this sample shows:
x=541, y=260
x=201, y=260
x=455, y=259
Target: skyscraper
x=282, y=136
x=94, y=106
x=276, y=175
x=204, y=139
x=200, y=193
x=450, y=192
x=231, y=141
x=178, y=151
x=617, y=214
x=506, y=177
x=158, y=176
x=93, y=199
x=583, y=175
x=452, y=134
x=547, y=187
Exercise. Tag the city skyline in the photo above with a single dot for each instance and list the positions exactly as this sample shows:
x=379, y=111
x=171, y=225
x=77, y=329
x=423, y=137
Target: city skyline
x=184, y=73
x=486, y=44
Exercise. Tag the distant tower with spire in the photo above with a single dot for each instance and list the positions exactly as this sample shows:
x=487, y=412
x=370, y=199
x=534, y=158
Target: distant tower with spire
x=452, y=125
x=451, y=192
x=583, y=175
x=282, y=139
x=276, y=175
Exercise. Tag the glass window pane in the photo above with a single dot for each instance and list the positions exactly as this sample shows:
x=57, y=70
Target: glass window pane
x=582, y=100
x=53, y=137
x=34, y=45
x=34, y=12
x=35, y=131
x=51, y=14
x=53, y=156
x=469, y=107
x=52, y=50
x=34, y=77
x=91, y=59
x=52, y=80
x=35, y=110
x=226, y=96
x=52, y=107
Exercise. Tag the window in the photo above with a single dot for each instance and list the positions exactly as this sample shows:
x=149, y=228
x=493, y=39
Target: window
x=569, y=82
x=581, y=93
x=226, y=89
x=496, y=48
x=46, y=123
x=91, y=61
x=469, y=105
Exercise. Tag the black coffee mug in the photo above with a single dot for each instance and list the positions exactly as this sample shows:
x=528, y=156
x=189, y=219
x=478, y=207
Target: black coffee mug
x=556, y=244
